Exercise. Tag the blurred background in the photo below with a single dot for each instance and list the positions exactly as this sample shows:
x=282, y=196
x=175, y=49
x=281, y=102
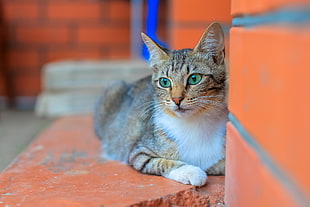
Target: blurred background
x=34, y=33
x=56, y=56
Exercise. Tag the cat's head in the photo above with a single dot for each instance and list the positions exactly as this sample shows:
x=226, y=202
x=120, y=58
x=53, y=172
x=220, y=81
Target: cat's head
x=190, y=81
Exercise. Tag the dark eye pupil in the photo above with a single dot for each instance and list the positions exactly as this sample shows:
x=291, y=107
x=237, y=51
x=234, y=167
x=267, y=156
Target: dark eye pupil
x=194, y=78
x=164, y=82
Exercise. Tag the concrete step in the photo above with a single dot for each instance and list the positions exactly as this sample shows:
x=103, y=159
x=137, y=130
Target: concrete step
x=62, y=167
x=71, y=87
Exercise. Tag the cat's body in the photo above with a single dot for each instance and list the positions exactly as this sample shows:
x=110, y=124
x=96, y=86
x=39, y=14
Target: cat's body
x=173, y=123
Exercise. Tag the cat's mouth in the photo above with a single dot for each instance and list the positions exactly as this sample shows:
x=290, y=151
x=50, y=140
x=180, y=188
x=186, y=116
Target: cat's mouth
x=180, y=111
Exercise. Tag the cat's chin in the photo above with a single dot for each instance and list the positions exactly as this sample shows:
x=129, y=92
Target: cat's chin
x=181, y=112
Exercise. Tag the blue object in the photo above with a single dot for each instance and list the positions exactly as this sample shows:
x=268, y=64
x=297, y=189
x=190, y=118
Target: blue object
x=151, y=24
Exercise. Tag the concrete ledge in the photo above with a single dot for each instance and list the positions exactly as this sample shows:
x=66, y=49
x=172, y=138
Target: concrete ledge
x=62, y=167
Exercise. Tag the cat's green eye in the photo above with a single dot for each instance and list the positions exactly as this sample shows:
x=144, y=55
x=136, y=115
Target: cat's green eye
x=194, y=79
x=164, y=82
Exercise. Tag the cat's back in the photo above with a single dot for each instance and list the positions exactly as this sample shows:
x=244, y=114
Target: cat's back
x=119, y=111
x=119, y=99
x=108, y=104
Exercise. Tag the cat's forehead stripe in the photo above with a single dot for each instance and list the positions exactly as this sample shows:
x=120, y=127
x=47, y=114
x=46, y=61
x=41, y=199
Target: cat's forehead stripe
x=179, y=59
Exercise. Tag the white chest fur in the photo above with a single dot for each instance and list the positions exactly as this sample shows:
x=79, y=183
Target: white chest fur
x=200, y=139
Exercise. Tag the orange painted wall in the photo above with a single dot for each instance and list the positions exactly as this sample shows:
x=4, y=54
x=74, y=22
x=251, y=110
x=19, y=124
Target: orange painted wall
x=248, y=181
x=268, y=137
x=239, y=7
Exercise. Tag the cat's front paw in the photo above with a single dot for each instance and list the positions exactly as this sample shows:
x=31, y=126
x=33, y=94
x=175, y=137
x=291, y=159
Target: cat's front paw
x=188, y=174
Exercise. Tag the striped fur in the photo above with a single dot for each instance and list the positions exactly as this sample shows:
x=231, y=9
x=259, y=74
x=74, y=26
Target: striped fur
x=178, y=131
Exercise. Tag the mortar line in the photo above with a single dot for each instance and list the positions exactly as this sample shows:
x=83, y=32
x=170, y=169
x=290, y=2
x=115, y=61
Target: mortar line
x=292, y=15
x=287, y=182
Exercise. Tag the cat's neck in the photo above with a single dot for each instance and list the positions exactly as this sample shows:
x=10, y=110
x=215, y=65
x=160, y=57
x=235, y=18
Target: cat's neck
x=206, y=123
x=200, y=139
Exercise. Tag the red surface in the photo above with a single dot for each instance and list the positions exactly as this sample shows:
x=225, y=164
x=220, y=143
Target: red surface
x=13, y=11
x=26, y=58
x=200, y=11
x=26, y=84
x=119, y=10
x=35, y=31
x=74, y=10
x=40, y=34
x=2, y=85
x=180, y=37
x=253, y=6
x=63, y=168
x=269, y=72
x=189, y=19
x=248, y=181
x=103, y=35
x=58, y=54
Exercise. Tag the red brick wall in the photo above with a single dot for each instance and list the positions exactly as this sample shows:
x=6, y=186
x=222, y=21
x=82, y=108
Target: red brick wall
x=189, y=18
x=39, y=31
x=3, y=89
x=268, y=137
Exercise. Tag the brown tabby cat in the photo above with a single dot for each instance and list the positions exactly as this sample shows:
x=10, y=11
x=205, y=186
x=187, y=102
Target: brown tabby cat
x=173, y=123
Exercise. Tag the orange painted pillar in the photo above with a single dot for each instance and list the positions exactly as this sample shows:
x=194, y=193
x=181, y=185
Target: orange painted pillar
x=268, y=135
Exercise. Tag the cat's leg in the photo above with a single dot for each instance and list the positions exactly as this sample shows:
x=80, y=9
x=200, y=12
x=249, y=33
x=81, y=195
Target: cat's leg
x=187, y=174
x=218, y=168
x=147, y=161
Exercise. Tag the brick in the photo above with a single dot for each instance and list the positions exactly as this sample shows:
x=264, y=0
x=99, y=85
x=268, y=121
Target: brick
x=188, y=37
x=239, y=7
x=103, y=35
x=22, y=58
x=200, y=11
x=248, y=182
x=183, y=37
x=40, y=34
x=26, y=84
x=62, y=167
x=20, y=11
x=269, y=70
x=119, y=10
x=3, y=89
x=119, y=53
x=80, y=53
x=89, y=10
x=163, y=12
x=162, y=33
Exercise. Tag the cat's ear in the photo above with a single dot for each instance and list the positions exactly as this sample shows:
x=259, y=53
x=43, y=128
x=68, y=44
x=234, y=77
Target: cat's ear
x=212, y=43
x=157, y=52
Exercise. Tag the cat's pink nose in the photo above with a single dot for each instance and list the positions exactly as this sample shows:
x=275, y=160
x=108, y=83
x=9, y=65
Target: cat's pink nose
x=177, y=100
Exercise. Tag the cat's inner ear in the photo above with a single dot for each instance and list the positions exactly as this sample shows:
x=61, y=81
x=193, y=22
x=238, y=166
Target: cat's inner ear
x=212, y=43
x=157, y=52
